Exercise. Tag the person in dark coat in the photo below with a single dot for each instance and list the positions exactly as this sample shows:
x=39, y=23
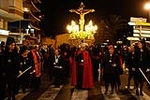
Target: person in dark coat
x=110, y=66
x=45, y=55
x=2, y=81
x=58, y=68
x=2, y=46
x=142, y=58
x=96, y=61
x=11, y=66
x=130, y=64
x=25, y=63
x=50, y=68
x=66, y=65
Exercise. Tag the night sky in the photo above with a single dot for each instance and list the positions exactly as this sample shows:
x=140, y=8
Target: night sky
x=57, y=14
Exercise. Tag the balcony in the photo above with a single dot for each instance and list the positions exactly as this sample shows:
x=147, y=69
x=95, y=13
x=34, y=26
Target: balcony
x=12, y=10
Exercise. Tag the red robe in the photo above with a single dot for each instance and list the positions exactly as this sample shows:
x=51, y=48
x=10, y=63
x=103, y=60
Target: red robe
x=37, y=64
x=87, y=71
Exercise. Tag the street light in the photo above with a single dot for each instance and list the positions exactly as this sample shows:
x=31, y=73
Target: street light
x=147, y=7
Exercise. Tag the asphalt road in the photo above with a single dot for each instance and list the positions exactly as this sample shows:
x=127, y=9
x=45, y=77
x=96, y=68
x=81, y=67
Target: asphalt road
x=68, y=92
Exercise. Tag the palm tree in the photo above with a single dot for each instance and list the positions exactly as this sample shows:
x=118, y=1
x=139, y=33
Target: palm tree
x=114, y=24
x=103, y=33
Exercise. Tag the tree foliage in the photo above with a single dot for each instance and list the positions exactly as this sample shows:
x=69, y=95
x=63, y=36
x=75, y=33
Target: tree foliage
x=115, y=23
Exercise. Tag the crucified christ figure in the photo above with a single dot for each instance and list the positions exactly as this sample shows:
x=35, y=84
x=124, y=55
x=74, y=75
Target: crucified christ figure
x=82, y=12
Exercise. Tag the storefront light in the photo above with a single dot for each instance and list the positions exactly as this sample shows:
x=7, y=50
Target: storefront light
x=4, y=32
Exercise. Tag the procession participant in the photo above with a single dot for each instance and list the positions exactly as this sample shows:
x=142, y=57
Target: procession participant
x=66, y=63
x=2, y=81
x=65, y=52
x=25, y=65
x=96, y=57
x=83, y=67
x=142, y=58
x=2, y=46
x=11, y=66
x=58, y=68
x=119, y=69
x=130, y=64
x=36, y=74
x=110, y=66
x=50, y=64
x=45, y=55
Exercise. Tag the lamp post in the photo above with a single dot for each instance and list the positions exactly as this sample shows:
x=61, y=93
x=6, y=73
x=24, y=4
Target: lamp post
x=147, y=7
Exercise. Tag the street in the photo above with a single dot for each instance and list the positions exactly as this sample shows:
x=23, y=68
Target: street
x=68, y=92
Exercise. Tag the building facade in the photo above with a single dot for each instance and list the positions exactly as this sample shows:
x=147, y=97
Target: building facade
x=10, y=11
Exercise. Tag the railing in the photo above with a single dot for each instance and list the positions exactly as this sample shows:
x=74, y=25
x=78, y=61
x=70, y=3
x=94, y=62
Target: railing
x=35, y=25
x=34, y=6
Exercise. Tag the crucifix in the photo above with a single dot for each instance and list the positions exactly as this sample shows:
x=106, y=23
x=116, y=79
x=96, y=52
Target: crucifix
x=82, y=12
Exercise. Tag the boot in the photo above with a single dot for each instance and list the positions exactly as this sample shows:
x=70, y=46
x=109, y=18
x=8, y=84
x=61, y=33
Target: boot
x=141, y=93
x=137, y=92
x=106, y=92
x=128, y=87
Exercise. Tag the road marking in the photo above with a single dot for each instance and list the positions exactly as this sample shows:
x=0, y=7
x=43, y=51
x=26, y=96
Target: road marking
x=79, y=95
x=133, y=92
x=109, y=96
x=20, y=96
x=50, y=93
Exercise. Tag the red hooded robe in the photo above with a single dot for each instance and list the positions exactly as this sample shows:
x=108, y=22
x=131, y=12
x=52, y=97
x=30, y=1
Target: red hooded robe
x=87, y=71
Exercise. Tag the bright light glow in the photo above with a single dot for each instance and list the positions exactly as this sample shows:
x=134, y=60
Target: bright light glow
x=32, y=30
x=119, y=42
x=73, y=27
x=142, y=35
x=142, y=31
x=90, y=27
x=133, y=38
x=139, y=23
x=142, y=23
x=147, y=6
x=131, y=23
x=14, y=34
x=88, y=31
x=29, y=26
x=82, y=31
x=26, y=9
x=138, y=19
x=4, y=32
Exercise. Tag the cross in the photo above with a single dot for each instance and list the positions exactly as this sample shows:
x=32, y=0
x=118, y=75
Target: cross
x=82, y=12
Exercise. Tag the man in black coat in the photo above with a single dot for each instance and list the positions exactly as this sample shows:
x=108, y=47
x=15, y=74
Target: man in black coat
x=2, y=82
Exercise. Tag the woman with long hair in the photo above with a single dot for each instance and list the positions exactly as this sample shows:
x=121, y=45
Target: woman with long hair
x=11, y=66
x=142, y=58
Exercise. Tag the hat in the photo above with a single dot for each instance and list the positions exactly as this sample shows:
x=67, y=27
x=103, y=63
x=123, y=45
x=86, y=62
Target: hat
x=23, y=49
x=10, y=40
x=83, y=45
x=2, y=43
